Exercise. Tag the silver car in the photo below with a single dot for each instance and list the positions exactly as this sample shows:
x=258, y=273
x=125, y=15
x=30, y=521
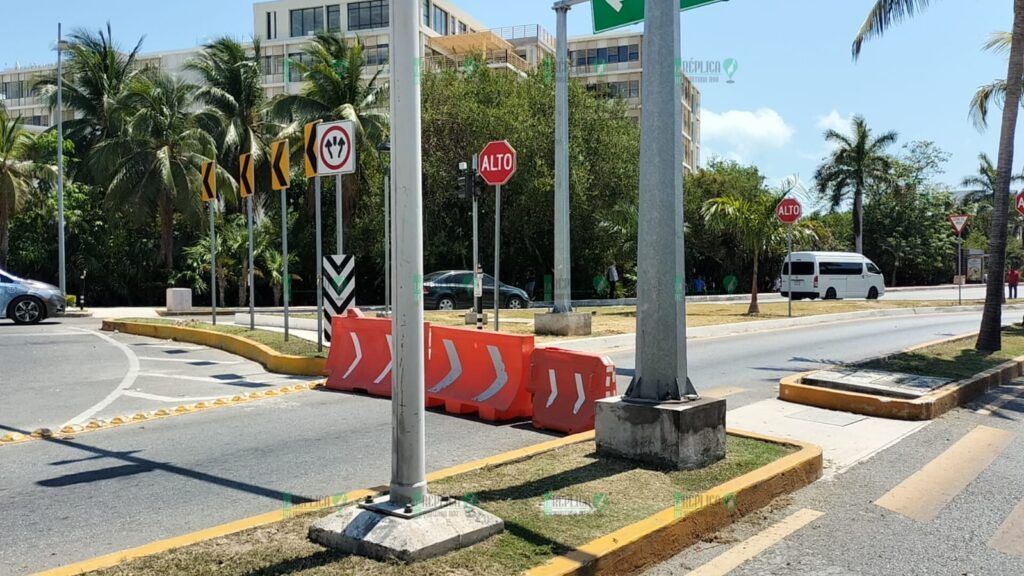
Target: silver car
x=28, y=301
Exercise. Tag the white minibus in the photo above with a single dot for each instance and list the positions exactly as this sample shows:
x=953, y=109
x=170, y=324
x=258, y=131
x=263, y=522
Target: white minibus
x=831, y=276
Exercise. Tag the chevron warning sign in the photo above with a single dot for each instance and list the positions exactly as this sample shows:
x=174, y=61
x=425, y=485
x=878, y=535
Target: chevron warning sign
x=339, y=287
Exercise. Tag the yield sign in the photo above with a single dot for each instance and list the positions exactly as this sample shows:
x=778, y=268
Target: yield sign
x=610, y=14
x=1020, y=203
x=336, y=148
x=959, y=222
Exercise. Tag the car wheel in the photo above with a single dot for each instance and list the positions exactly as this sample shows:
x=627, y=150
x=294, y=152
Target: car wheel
x=26, y=310
x=446, y=303
x=830, y=294
x=873, y=293
x=516, y=303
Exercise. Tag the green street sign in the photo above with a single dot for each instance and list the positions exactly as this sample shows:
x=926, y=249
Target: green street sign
x=611, y=14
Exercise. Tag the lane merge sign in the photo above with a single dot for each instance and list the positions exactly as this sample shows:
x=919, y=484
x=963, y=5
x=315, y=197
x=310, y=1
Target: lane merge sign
x=959, y=222
x=497, y=162
x=789, y=211
x=309, y=138
x=336, y=148
x=208, y=190
x=280, y=168
x=246, y=176
x=611, y=14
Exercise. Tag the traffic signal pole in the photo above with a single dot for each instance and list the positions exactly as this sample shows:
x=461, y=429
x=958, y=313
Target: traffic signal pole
x=563, y=283
x=478, y=307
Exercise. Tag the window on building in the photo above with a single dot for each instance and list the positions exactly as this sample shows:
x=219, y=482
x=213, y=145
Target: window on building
x=376, y=55
x=273, y=65
x=334, y=18
x=426, y=12
x=440, y=21
x=12, y=90
x=462, y=27
x=307, y=21
x=270, y=26
x=451, y=25
x=634, y=52
x=367, y=15
x=294, y=75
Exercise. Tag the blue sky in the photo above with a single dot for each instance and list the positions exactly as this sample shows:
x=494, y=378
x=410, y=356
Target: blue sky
x=794, y=77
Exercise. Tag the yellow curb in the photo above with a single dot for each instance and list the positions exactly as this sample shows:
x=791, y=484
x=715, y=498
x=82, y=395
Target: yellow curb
x=42, y=433
x=270, y=393
x=72, y=429
x=139, y=416
x=95, y=424
x=238, y=399
x=118, y=420
x=927, y=407
x=220, y=402
x=271, y=359
x=200, y=406
x=12, y=437
x=659, y=537
x=162, y=412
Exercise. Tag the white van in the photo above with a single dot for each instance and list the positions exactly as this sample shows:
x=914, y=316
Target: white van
x=831, y=276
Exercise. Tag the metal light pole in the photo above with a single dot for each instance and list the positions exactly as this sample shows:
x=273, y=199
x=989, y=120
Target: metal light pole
x=408, y=468
x=385, y=153
x=661, y=372
x=60, y=161
x=478, y=305
x=563, y=283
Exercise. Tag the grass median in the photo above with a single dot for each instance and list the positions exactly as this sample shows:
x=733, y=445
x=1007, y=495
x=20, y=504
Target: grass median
x=525, y=494
x=956, y=359
x=275, y=340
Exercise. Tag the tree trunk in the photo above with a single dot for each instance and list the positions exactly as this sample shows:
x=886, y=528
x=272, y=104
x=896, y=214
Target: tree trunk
x=243, y=283
x=166, y=208
x=858, y=218
x=5, y=235
x=990, y=335
x=754, y=308
x=277, y=295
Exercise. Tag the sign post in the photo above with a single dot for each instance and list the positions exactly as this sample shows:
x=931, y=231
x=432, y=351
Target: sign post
x=246, y=188
x=788, y=212
x=280, y=178
x=209, y=195
x=497, y=164
x=336, y=155
x=959, y=222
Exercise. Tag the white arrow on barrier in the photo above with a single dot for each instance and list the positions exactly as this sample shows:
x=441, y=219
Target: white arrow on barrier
x=615, y=4
x=554, y=387
x=501, y=376
x=390, y=362
x=359, y=355
x=580, y=395
x=456, y=367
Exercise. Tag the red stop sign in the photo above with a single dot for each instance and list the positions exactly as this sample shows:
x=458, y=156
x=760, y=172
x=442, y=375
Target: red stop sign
x=497, y=162
x=789, y=211
x=1020, y=203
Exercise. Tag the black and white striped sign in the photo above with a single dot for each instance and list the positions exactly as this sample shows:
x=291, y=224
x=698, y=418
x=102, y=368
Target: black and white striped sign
x=339, y=288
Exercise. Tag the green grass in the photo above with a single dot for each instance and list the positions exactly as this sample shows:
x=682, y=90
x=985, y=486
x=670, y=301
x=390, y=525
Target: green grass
x=621, y=492
x=956, y=360
x=275, y=340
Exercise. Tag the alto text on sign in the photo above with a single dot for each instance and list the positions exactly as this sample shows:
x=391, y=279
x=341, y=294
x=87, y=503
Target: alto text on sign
x=497, y=163
x=789, y=211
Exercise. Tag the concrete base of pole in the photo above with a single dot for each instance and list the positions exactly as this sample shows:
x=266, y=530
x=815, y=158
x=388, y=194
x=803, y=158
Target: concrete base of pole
x=179, y=300
x=681, y=436
x=371, y=534
x=471, y=318
x=562, y=324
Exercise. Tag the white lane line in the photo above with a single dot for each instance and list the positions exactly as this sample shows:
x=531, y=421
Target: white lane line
x=751, y=547
x=171, y=346
x=126, y=382
x=265, y=378
x=189, y=360
x=159, y=398
x=39, y=334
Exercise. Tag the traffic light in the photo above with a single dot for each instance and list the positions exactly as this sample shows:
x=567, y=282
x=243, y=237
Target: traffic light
x=465, y=181
x=479, y=185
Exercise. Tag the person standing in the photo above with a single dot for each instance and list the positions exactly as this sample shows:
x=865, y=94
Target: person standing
x=1012, y=281
x=612, y=276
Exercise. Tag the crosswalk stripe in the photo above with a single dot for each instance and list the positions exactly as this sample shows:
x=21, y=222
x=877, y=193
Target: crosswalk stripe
x=731, y=559
x=1009, y=539
x=722, y=392
x=926, y=492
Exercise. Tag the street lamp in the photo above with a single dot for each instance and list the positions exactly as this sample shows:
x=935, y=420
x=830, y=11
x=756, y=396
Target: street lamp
x=61, y=46
x=384, y=150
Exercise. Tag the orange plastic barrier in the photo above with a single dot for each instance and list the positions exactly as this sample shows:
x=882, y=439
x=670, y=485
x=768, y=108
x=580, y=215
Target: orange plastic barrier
x=479, y=371
x=359, y=359
x=565, y=385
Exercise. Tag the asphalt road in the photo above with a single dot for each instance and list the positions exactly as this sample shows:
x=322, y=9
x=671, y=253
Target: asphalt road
x=63, y=501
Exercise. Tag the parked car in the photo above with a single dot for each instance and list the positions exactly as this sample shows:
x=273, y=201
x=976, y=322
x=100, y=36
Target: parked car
x=453, y=289
x=831, y=276
x=28, y=301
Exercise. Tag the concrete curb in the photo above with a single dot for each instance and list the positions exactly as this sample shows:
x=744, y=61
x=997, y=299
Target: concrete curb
x=659, y=537
x=270, y=359
x=629, y=546
x=927, y=407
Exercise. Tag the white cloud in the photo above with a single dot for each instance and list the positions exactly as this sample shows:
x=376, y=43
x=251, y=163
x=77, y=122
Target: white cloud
x=834, y=121
x=744, y=131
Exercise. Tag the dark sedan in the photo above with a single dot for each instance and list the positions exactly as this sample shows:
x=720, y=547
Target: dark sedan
x=453, y=289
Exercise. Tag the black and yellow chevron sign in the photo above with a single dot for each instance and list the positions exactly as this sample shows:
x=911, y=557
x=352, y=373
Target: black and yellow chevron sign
x=246, y=176
x=208, y=190
x=309, y=137
x=280, y=168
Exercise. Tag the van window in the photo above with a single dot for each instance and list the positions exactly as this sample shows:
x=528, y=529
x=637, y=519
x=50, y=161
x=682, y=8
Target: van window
x=873, y=269
x=799, y=269
x=841, y=268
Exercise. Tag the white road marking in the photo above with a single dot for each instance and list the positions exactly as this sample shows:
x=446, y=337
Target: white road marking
x=456, y=367
x=501, y=375
x=554, y=387
x=126, y=382
x=40, y=334
x=581, y=396
x=359, y=355
x=171, y=346
x=751, y=547
x=159, y=398
x=265, y=378
x=188, y=360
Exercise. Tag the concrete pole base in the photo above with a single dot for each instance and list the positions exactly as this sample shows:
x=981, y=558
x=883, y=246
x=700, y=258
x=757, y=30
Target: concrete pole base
x=567, y=324
x=371, y=534
x=680, y=436
x=471, y=318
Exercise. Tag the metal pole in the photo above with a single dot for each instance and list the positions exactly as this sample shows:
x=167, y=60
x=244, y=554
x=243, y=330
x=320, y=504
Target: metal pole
x=285, y=279
x=661, y=373
x=252, y=275
x=319, y=275
x=478, y=307
x=563, y=283
x=60, y=162
x=408, y=467
x=789, y=270
x=497, y=253
x=387, y=244
x=339, y=214
x=213, y=264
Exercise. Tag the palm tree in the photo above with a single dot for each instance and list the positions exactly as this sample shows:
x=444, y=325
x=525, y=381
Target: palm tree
x=887, y=12
x=993, y=93
x=273, y=262
x=18, y=175
x=858, y=159
x=154, y=167
x=236, y=104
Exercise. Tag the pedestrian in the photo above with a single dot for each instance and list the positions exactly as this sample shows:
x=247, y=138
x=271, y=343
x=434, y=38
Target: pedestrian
x=699, y=286
x=531, y=283
x=1012, y=280
x=612, y=274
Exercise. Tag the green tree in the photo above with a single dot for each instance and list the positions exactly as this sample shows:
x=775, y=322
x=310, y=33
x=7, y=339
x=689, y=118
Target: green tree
x=18, y=175
x=888, y=12
x=858, y=159
x=153, y=167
